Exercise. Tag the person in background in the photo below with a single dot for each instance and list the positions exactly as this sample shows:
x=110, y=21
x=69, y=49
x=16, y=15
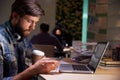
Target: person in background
x=15, y=47
x=44, y=38
x=64, y=37
x=59, y=35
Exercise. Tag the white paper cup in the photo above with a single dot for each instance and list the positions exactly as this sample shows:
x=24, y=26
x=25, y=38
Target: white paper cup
x=37, y=55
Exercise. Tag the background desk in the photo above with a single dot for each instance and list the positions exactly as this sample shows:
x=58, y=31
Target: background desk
x=102, y=73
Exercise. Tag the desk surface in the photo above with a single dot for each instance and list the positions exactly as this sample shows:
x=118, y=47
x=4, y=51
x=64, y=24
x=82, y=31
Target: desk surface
x=102, y=73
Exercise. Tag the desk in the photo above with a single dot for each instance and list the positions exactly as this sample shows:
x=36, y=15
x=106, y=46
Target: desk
x=102, y=73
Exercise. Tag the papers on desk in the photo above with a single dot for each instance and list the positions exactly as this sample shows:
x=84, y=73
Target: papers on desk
x=67, y=49
x=110, y=63
x=78, y=47
x=84, y=52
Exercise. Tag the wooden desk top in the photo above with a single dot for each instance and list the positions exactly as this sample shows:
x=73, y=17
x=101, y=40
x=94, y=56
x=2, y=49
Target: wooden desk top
x=102, y=73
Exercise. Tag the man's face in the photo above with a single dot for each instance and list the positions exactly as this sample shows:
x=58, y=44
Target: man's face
x=25, y=25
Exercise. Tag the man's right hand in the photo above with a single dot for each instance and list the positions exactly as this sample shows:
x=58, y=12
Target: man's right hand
x=45, y=65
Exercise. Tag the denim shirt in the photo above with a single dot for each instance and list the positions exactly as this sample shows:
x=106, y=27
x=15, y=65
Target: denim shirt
x=12, y=53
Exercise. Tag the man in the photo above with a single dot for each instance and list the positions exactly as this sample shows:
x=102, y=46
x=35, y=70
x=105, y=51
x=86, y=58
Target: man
x=14, y=46
x=44, y=38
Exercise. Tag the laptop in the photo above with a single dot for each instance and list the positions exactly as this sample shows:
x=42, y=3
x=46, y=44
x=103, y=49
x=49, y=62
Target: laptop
x=91, y=67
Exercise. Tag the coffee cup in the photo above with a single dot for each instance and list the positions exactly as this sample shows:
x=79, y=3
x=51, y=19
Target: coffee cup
x=37, y=55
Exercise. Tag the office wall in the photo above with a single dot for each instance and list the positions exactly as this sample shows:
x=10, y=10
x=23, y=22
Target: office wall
x=50, y=12
x=48, y=5
x=98, y=20
x=114, y=22
x=5, y=10
x=104, y=21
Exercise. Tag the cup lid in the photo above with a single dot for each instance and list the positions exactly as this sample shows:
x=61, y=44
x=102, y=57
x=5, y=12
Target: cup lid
x=38, y=52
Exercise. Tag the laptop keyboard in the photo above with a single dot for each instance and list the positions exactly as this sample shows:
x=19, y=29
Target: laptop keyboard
x=80, y=67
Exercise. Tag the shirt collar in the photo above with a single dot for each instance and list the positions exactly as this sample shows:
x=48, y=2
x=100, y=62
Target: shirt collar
x=10, y=30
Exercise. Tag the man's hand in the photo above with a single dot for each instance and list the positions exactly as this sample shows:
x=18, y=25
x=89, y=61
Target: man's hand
x=45, y=65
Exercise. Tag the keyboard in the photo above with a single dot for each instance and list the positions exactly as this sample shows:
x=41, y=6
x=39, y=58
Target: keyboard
x=80, y=67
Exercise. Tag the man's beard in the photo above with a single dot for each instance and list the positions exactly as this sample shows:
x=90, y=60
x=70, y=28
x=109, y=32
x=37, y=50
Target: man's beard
x=18, y=33
x=18, y=30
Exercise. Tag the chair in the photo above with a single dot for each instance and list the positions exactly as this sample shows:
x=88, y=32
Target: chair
x=47, y=49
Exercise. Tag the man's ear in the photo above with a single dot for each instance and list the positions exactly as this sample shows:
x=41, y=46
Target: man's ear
x=15, y=17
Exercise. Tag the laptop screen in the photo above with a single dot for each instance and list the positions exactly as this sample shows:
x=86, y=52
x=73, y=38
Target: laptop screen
x=97, y=54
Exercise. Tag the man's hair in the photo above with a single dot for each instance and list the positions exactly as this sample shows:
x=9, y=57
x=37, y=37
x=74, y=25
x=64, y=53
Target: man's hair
x=27, y=7
x=44, y=27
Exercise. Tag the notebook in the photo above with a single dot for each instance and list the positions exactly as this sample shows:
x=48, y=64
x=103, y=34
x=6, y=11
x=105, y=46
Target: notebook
x=91, y=67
